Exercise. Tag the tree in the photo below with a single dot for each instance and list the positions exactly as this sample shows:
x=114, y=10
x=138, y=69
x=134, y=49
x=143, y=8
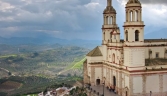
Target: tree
x=69, y=75
x=9, y=73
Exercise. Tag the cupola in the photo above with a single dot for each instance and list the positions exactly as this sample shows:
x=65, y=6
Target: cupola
x=133, y=1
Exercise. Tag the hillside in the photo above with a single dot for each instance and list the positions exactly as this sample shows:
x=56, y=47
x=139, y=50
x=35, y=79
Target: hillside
x=47, y=63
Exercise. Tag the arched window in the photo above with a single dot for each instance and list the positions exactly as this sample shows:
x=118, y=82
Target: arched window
x=136, y=15
x=126, y=35
x=166, y=53
x=131, y=16
x=110, y=20
x=136, y=35
x=114, y=82
x=114, y=36
x=104, y=35
x=113, y=58
x=111, y=36
x=107, y=20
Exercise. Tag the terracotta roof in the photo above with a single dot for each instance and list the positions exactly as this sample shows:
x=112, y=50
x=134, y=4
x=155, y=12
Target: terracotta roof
x=85, y=61
x=157, y=61
x=155, y=40
x=95, y=52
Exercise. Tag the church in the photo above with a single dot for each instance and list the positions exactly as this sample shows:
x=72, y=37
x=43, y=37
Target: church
x=133, y=66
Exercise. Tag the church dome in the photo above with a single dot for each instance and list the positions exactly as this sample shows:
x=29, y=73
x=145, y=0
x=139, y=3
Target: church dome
x=109, y=9
x=133, y=1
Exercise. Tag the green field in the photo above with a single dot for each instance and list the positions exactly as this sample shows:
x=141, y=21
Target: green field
x=79, y=64
x=6, y=56
x=31, y=95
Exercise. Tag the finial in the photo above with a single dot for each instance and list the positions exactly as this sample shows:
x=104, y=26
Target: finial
x=109, y=3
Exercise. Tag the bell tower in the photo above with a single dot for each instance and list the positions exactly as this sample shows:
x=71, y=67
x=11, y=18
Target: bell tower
x=134, y=52
x=110, y=30
x=133, y=26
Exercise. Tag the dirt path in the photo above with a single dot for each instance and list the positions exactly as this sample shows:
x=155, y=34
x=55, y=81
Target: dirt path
x=7, y=71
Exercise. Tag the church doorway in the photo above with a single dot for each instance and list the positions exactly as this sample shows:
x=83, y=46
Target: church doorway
x=126, y=93
x=126, y=90
x=114, y=82
x=97, y=81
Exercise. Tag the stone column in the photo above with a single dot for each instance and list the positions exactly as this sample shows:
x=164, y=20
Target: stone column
x=141, y=15
x=113, y=20
x=126, y=16
x=129, y=16
x=133, y=16
x=104, y=21
x=138, y=13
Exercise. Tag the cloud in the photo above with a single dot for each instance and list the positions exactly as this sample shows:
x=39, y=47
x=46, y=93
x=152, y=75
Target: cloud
x=68, y=18
x=155, y=2
x=59, y=15
x=153, y=12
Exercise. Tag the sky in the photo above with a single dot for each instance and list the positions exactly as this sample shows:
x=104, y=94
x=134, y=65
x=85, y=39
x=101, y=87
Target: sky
x=73, y=19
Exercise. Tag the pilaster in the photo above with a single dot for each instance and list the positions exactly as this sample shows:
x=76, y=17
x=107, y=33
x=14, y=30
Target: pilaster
x=93, y=75
x=102, y=75
x=144, y=84
x=117, y=81
x=112, y=78
x=120, y=83
x=161, y=84
x=131, y=85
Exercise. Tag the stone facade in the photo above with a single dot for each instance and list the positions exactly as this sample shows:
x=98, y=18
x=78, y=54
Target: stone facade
x=131, y=67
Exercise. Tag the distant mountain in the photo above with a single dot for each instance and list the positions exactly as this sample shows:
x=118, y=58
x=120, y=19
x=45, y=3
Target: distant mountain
x=48, y=40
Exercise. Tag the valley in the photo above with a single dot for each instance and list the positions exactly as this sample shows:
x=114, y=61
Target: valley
x=31, y=69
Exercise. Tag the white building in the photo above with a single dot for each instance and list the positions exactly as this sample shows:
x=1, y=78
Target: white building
x=132, y=67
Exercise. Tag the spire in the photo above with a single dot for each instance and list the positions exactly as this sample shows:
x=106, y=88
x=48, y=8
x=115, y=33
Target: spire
x=109, y=3
x=109, y=8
